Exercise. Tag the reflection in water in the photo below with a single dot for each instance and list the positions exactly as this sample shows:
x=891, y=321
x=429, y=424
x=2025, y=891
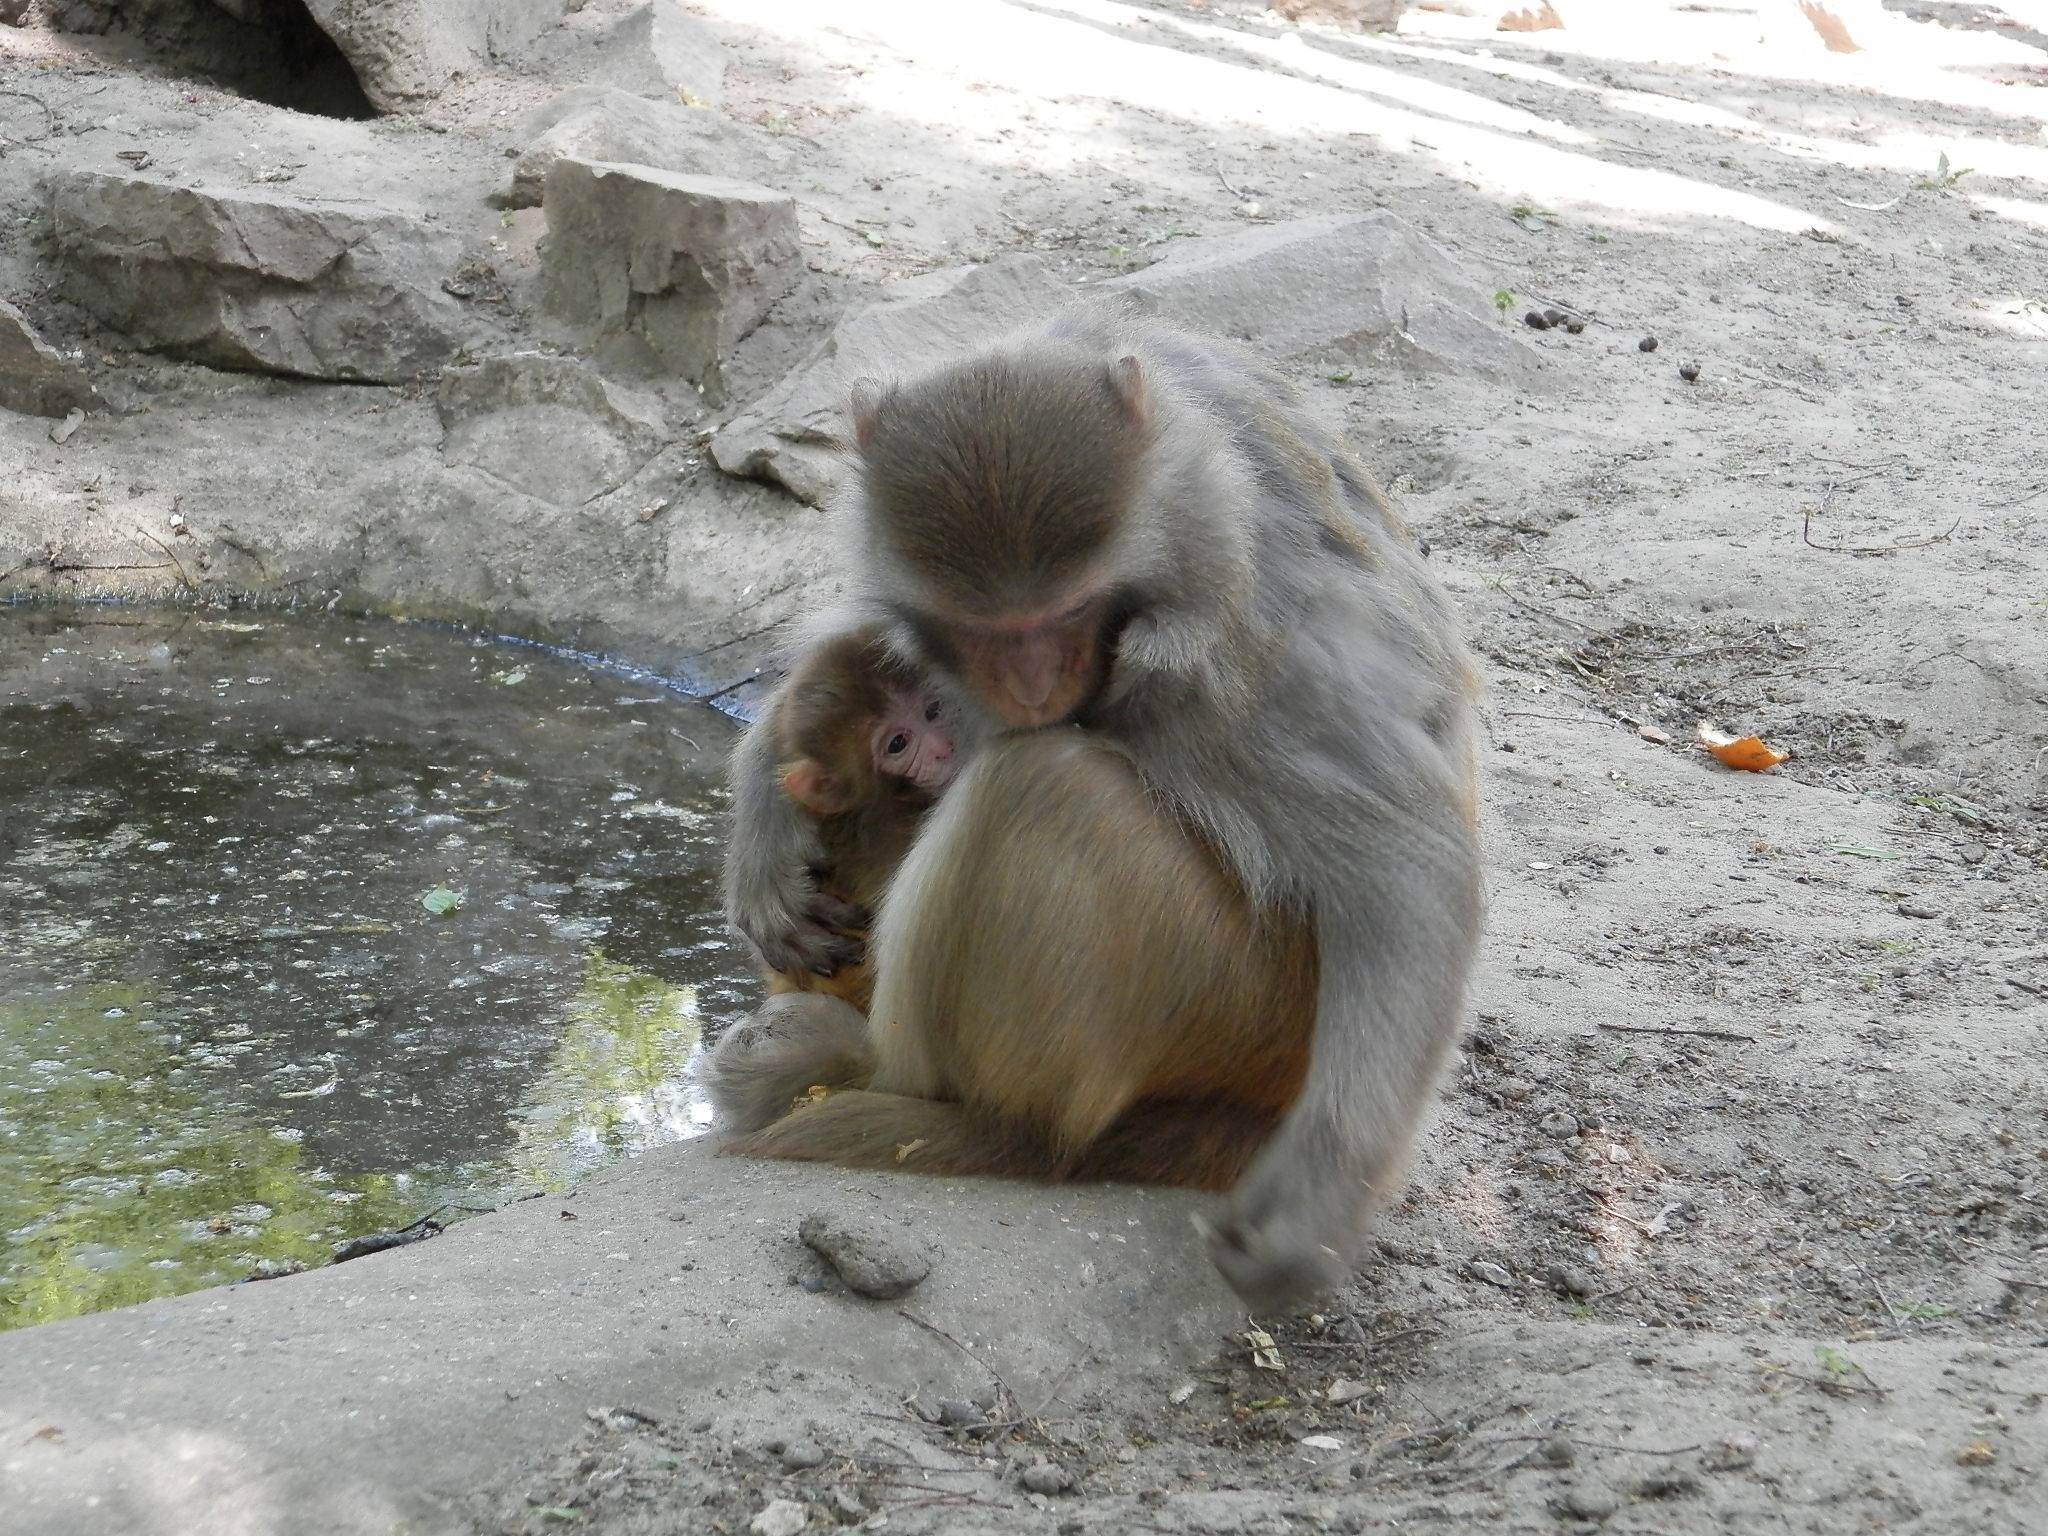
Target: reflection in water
x=231, y=1031
x=119, y=1181
x=616, y=1083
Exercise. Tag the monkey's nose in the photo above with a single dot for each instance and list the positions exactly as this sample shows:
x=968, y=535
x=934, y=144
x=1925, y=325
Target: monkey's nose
x=1030, y=682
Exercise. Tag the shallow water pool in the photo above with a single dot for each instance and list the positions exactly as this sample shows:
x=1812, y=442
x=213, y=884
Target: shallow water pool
x=310, y=927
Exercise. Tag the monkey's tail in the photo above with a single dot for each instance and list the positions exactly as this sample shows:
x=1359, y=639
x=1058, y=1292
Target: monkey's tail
x=1200, y=1144
x=858, y=1128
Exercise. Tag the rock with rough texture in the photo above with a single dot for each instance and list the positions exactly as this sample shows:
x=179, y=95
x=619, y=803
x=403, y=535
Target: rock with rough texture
x=659, y=49
x=35, y=378
x=781, y=1517
x=797, y=434
x=665, y=270
x=1361, y=289
x=547, y=426
x=258, y=281
x=873, y=1258
x=594, y=122
x=406, y=51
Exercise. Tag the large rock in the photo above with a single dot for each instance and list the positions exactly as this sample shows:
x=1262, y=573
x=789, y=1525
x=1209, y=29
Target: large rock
x=663, y=270
x=659, y=49
x=547, y=426
x=597, y=122
x=405, y=51
x=255, y=280
x=1365, y=289
x=797, y=434
x=35, y=378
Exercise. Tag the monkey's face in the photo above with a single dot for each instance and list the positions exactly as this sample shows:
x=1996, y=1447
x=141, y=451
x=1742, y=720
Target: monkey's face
x=912, y=742
x=1036, y=670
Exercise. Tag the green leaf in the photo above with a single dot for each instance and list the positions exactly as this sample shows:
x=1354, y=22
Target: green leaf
x=441, y=901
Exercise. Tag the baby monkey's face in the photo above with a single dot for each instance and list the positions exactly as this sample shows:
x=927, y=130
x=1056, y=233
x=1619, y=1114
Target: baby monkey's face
x=913, y=743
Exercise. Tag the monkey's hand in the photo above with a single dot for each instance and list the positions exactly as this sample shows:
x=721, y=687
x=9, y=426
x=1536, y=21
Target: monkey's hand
x=771, y=893
x=1289, y=1231
x=801, y=928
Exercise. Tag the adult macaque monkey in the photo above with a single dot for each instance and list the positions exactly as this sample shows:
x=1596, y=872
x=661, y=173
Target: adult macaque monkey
x=1143, y=542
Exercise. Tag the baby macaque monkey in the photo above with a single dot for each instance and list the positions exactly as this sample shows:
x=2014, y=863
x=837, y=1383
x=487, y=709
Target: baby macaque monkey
x=866, y=750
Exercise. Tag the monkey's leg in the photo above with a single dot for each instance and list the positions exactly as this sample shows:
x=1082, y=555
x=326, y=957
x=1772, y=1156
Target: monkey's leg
x=1052, y=952
x=796, y=1040
x=1202, y=1144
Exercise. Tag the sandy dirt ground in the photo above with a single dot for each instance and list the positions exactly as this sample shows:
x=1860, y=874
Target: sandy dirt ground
x=1732, y=1216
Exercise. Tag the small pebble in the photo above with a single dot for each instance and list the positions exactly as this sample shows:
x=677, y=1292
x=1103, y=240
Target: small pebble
x=1589, y=1503
x=957, y=1414
x=1553, y=316
x=1491, y=1273
x=1342, y=1391
x=1557, y=1451
x=1537, y=321
x=1046, y=1477
x=1654, y=733
x=782, y=1517
x=1918, y=909
x=1690, y=372
x=1574, y=327
x=848, y=1509
x=802, y=1455
x=1647, y=344
x=1560, y=1123
x=1568, y=1280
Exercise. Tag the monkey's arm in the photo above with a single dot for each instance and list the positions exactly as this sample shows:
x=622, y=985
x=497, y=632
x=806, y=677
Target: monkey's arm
x=1394, y=947
x=770, y=896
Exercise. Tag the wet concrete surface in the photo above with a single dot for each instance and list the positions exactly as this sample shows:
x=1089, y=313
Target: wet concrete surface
x=311, y=925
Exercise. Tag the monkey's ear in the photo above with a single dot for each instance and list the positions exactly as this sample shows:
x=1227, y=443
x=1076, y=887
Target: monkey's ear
x=865, y=405
x=1127, y=383
x=811, y=785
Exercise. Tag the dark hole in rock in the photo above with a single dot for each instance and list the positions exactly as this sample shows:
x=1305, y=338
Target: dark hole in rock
x=271, y=51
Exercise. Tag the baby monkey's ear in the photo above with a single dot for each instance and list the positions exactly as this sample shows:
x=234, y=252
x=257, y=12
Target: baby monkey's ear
x=812, y=786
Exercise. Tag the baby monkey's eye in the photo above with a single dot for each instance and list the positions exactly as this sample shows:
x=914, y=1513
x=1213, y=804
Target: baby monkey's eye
x=896, y=744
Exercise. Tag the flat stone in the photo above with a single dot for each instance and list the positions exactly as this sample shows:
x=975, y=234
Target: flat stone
x=782, y=1517
x=35, y=378
x=1364, y=289
x=547, y=426
x=605, y=124
x=798, y=433
x=665, y=271
x=257, y=281
x=1918, y=909
x=873, y=1257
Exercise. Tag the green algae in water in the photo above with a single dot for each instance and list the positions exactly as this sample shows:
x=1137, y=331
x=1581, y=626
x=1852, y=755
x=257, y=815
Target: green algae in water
x=120, y=1183
x=231, y=1034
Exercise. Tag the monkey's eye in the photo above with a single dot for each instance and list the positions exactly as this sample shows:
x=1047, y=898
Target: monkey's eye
x=931, y=710
x=897, y=744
